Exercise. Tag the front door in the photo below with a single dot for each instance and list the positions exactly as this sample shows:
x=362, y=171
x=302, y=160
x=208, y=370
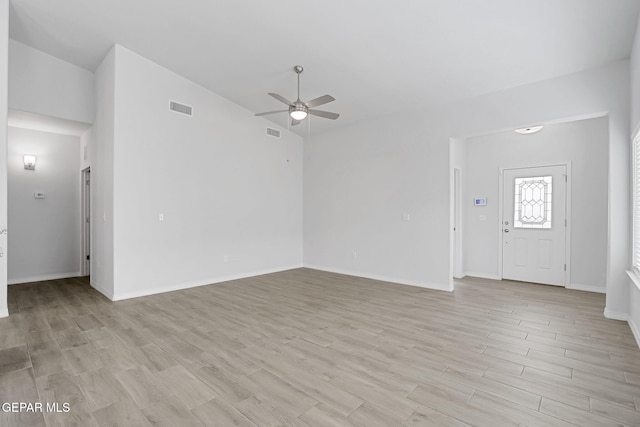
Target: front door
x=534, y=224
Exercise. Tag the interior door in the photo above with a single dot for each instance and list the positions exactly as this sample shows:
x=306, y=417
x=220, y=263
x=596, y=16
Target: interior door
x=534, y=224
x=86, y=232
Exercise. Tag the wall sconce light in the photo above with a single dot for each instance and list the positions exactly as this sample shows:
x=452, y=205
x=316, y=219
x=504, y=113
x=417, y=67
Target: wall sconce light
x=29, y=162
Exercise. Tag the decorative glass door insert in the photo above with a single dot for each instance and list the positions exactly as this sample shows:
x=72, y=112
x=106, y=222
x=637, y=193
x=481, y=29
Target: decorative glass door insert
x=533, y=197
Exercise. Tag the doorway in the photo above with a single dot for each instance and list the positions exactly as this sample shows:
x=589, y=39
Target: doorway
x=534, y=224
x=86, y=221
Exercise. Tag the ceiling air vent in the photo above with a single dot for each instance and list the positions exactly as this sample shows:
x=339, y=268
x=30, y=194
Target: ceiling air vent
x=273, y=132
x=180, y=108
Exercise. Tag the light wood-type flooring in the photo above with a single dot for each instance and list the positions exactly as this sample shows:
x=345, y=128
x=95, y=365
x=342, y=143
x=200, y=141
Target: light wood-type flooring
x=310, y=348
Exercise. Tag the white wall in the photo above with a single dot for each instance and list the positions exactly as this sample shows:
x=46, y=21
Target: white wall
x=635, y=82
x=360, y=179
x=587, y=94
x=358, y=183
x=225, y=188
x=45, y=233
x=102, y=170
x=4, y=79
x=585, y=144
x=41, y=83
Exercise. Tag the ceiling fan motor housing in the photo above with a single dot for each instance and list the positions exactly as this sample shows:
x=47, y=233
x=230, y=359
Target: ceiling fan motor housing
x=298, y=110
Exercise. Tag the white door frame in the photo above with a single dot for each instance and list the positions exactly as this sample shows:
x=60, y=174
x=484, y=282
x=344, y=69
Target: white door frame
x=457, y=224
x=85, y=210
x=567, y=235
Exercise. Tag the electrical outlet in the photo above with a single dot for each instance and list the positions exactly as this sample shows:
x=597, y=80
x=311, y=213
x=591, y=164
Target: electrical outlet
x=161, y=217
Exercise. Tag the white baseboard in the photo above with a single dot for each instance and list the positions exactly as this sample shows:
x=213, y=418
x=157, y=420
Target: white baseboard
x=43, y=278
x=118, y=296
x=436, y=286
x=616, y=315
x=482, y=275
x=635, y=330
x=4, y=312
x=587, y=288
x=104, y=291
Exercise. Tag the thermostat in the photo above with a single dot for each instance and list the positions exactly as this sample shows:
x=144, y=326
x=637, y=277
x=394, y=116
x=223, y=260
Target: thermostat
x=480, y=201
x=38, y=195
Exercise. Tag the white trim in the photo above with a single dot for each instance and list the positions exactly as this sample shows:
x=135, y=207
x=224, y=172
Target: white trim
x=458, y=271
x=635, y=330
x=616, y=315
x=436, y=286
x=4, y=312
x=500, y=221
x=634, y=278
x=482, y=275
x=43, y=278
x=104, y=291
x=117, y=296
x=586, y=288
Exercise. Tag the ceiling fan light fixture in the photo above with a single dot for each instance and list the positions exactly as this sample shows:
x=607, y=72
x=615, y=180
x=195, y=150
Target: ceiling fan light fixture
x=298, y=113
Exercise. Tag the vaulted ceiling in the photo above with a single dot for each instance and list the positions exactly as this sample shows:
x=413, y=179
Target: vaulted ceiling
x=375, y=57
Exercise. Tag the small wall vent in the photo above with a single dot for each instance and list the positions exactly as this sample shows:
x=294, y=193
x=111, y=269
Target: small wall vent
x=180, y=108
x=273, y=132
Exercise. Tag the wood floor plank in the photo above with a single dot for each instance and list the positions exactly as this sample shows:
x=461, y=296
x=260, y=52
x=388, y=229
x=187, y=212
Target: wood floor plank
x=425, y=416
x=143, y=387
x=305, y=347
x=170, y=412
x=262, y=413
x=101, y=388
x=14, y=359
x=217, y=412
x=616, y=412
x=287, y=398
x=122, y=413
x=580, y=401
x=515, y=412
x=185, y=386
x=574, y=415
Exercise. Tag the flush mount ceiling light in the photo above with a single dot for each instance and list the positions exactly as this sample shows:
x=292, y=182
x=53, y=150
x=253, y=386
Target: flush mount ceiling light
x=29, y=162
x=299, y=110
x=531, y=129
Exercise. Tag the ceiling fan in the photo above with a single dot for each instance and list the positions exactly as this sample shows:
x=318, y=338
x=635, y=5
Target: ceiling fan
x=299, y=110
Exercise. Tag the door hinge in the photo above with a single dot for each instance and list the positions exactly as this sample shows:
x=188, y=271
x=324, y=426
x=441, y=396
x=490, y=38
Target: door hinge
x=565, y=267
x=565, y=222
x=88, y=257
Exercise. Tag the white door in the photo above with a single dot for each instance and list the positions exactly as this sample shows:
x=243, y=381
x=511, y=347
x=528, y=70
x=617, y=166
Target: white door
x=534, y=224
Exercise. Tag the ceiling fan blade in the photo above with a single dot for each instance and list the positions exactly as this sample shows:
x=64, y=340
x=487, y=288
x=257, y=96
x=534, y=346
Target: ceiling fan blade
x=281, y=98
x=320, y=101
x=271, y=112
x=295, y=122
x=325, y=114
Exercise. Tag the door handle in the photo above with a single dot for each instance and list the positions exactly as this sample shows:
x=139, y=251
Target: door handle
x=506, y=230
